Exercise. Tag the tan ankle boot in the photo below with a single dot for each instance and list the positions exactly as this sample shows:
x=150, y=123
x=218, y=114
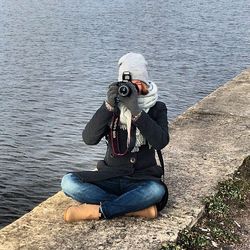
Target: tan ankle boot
x=82, y=212
x=149, y=212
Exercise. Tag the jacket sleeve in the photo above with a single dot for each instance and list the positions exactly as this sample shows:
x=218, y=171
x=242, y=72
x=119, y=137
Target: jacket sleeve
x=155, y=131
x=98, y=126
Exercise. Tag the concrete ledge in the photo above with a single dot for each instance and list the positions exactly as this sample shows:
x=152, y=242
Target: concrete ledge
x=208, y=143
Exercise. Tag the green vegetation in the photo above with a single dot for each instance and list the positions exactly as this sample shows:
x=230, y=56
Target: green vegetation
x=217, y=227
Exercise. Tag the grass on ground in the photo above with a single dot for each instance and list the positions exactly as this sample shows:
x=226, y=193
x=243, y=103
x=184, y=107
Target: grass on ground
x=217, y=227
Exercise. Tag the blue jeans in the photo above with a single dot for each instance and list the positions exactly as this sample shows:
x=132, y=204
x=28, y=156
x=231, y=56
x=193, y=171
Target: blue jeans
x=116, y=196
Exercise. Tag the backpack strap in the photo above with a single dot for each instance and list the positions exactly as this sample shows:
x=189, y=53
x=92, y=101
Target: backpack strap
x=162, y=163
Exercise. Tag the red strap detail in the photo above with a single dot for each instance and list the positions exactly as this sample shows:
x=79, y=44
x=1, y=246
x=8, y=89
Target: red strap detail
x=114, y=137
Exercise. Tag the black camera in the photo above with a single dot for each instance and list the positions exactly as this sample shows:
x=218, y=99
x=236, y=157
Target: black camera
x=124, y=89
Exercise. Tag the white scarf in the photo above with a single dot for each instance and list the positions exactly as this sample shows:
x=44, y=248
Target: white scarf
x=145, y=102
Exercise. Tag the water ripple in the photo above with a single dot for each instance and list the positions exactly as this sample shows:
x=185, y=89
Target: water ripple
x=57, y=59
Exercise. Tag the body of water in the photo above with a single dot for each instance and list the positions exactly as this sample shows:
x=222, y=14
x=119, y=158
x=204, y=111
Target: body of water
x=58, y=57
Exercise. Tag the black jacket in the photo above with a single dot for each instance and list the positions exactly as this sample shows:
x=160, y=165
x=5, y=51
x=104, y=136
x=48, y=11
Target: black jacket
x=139, y=165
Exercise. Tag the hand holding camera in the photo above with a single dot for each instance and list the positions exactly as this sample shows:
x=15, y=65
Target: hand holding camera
x=112, y=93
x=130, y=100
x=126, y=92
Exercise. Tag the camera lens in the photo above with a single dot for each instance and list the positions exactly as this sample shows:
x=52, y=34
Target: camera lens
x=124, y=90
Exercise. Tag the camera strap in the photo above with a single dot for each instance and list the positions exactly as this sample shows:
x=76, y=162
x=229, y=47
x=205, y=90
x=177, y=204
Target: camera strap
x=115, y=138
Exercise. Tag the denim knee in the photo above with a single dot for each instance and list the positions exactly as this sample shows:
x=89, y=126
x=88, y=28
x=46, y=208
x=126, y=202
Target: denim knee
x=67, y=183
x=154, y=191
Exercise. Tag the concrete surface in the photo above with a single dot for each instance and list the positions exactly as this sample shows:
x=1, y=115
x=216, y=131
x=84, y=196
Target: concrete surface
x=208, y=143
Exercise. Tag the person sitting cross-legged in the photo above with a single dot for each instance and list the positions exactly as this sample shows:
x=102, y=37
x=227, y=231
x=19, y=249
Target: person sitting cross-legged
x=128, y=180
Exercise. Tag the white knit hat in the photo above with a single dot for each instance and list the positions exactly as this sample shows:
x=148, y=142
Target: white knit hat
x=135, y=64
